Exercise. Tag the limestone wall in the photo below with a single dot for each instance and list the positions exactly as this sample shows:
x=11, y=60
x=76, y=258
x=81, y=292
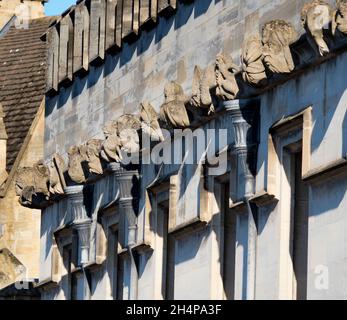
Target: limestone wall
x=193, y=36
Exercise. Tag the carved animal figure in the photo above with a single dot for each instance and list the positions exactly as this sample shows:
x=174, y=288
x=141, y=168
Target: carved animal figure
x=227, y=87
x=32, y=185
x=111, y=147
x=57, y=168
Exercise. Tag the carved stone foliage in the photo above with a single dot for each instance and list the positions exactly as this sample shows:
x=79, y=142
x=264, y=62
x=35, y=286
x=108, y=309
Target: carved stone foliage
x=121, y=136
x=173, y=112
x=32, y=185
x=340, y=17
x=315, y=16
x=150, y=122
x=278, y=35
x=227, y=87
x=57, y=168
x=252, y=62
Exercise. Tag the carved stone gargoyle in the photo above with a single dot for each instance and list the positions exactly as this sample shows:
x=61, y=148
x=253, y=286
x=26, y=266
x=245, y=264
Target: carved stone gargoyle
x=227, y=87
x=57, y=168
x=340, y=17
x=32, y=186
x=253, y=69
x=315, y=16
x=278, y=35
x=150, y=122
x=173, y=112
x=121, y=136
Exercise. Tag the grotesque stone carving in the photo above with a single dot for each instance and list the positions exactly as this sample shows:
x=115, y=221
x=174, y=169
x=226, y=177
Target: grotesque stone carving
x=340, y=17
x=91, y=153
x=128, y=126
x=111, y=147
x=173, y=112
x=150, y=123
x=121, y=135
x=57, y=168
x=278, y=35
x=32, y=185
x=315, y=16
x=227, y=87
x=204, y=82
x=252, y=62
x=77, y=163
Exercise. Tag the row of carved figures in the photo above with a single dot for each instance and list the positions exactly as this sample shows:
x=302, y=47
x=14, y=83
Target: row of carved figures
x=261, y=56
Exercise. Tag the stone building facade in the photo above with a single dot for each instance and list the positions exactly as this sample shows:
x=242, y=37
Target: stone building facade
x=22, y=105
x=248, y=203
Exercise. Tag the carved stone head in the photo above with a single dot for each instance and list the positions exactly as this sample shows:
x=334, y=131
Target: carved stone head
x=315, y=16
x=341, y=16
x=252, y=61
x=278, y=35
x=128, y=127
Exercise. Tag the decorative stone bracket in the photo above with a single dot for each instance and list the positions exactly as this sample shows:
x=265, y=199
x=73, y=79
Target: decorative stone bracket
x=128, y=183
x=245, y=118
x=81, y=221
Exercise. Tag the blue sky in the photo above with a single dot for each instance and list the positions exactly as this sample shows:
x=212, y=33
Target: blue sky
x=57, y=7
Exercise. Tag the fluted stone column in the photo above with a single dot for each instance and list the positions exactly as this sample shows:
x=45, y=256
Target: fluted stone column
x=244, y=115
x=81, y=221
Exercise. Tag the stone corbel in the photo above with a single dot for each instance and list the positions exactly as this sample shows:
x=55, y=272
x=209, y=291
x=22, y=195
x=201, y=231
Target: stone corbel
x=128, y=183
x=81, y=221
x=244, y=115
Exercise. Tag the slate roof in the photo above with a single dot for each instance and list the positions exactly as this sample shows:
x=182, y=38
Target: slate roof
x=22, y=81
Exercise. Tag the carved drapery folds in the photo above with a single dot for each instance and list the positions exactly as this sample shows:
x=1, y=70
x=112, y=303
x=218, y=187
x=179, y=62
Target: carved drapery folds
x=317, y=16
x=278, y=35
x=32, y=185
x=173, y=112
x=252, y=62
